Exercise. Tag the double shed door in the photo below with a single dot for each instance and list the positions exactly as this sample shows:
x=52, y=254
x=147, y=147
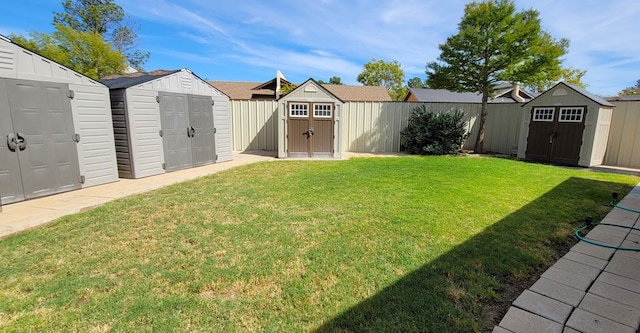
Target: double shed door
x=187, y=130
x=310, y=129
x=555, y=134
x=38, y=153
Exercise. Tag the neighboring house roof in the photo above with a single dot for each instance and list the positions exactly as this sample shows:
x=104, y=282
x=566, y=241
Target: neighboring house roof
x=579, y=90
x=266, y=90
x=503, y=94
x=359, y=93
x=630, y=98
x=245, y=90
x=134, y=79
x=446, y=96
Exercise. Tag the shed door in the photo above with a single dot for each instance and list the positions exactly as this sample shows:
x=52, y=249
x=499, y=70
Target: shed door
x=322, y=124
x=310, y=129
x=10, y=177
x=175, y=131
x=202, y=139
x=43, y=130
x=555, y=134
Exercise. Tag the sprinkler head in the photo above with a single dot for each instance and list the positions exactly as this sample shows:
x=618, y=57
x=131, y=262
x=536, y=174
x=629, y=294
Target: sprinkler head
x=614, y=196
x=588, y=221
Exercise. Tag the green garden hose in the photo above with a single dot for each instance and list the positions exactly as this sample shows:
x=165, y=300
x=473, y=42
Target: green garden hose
x=624, y=248
x=612, y=203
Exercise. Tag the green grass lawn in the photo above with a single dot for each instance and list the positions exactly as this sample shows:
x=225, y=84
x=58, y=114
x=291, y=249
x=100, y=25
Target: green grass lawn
x=436, y=244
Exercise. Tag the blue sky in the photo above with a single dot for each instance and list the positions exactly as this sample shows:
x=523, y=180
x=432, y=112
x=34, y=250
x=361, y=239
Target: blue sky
x=248, y=40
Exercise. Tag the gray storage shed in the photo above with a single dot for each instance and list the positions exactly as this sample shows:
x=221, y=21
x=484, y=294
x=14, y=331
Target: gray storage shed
x=166, y=121
x=56, y=131
x=310, y=122
x=565, y=125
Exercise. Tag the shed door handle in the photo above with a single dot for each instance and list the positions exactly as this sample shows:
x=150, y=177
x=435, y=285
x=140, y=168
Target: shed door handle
x=22, y=141
x=12, y=143
x=192, y=131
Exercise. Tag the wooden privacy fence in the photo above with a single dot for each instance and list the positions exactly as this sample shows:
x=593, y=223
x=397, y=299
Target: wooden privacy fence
x=375, y=126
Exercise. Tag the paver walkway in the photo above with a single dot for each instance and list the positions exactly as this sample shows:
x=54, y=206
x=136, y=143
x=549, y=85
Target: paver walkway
x=32, y=213
x=592, y=288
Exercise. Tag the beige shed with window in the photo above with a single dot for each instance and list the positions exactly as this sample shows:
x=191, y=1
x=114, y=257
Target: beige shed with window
x=309, y=123
x=565, y=125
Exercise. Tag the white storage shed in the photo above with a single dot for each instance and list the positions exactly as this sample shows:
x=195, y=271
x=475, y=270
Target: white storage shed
x=56, y=131
x=166, y=121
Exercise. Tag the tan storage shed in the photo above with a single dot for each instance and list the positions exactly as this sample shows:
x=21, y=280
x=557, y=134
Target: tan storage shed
x=310, y=123
x=56, y=131
x=565, y=125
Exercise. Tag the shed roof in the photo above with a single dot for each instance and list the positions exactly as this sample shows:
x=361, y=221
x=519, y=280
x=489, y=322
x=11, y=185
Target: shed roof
x=579, y=90
x=134, y=79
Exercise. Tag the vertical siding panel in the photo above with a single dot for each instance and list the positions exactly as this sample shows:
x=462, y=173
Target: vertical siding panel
x=623, y=148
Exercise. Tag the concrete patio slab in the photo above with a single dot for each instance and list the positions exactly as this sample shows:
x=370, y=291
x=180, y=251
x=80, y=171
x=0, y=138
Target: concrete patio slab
x=543, y=306
x=615, y=311
x=587, y=322
x=558, y=291
x=519, y=321
x=624, y=266
x=574, y=280
x=617, y=294
x=586, y=259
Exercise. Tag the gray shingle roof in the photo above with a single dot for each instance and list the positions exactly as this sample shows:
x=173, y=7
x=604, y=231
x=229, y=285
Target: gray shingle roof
x=623, y=98
x=587, y=94
x=446, y=96
x=134, y=79
x=580, y=91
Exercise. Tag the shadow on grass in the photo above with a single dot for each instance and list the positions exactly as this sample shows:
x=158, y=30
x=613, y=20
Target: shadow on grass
x=470, y=287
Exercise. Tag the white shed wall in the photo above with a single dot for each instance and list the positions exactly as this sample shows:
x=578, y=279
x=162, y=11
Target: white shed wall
x=222, y=123
x=92, y=120
x=144, y=132
x=185, y=82
x=18, y=63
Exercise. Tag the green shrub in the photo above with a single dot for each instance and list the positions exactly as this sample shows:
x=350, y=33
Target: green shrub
x=433, y=134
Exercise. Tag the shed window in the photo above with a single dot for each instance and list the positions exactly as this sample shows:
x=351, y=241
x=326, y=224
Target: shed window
x=543, y=114
x=322, y=110
x=571, y=115
x=299, y=110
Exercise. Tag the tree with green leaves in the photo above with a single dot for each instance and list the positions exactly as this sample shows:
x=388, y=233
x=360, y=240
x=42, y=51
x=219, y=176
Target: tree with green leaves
x=386, y=74
x=495, y=44
x=635, y=90
x=568, y=75
x=106, y=18
x=335, y=80
x=84, y=52
x=416, y=82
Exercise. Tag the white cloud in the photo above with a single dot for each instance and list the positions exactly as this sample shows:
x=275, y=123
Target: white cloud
x=338, y=37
